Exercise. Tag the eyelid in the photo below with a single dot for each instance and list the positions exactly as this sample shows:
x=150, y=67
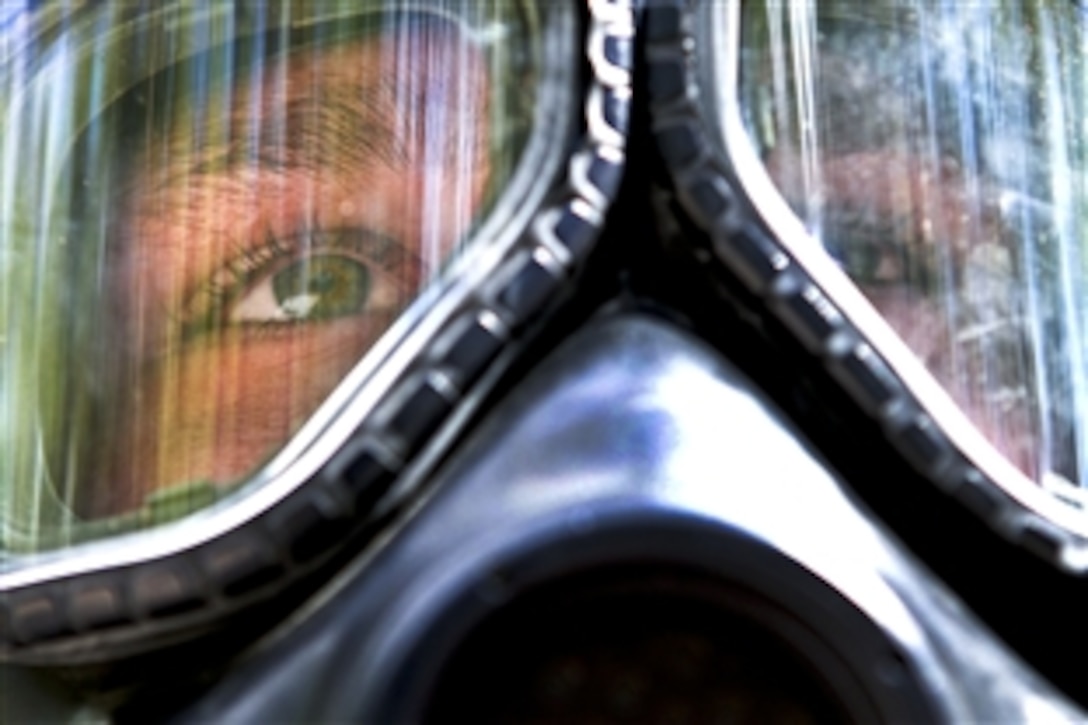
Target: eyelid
x=204, y=307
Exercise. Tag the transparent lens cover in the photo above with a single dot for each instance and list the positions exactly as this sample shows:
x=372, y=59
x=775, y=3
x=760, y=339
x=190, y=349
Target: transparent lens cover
x=937, y=151
x=208, y=215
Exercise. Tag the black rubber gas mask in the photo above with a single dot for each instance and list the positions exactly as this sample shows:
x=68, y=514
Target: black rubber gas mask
x=500, y=361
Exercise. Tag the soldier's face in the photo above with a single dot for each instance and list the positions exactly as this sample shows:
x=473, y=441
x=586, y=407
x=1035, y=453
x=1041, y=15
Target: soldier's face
x=268, y=239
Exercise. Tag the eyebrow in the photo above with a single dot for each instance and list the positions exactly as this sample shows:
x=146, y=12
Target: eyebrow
x=339, y=129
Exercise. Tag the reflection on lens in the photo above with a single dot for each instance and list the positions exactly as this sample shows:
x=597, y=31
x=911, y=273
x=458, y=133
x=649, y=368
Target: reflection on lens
x=209, y=216
x=937, y=151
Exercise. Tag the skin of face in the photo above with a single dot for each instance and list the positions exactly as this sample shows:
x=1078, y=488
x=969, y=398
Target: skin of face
x=369, y=155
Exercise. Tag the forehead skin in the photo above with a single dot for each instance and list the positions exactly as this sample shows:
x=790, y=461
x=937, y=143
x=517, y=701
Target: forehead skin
x=336, y=108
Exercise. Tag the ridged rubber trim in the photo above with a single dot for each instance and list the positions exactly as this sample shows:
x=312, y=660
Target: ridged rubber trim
x=108, y=613
x=739, y=240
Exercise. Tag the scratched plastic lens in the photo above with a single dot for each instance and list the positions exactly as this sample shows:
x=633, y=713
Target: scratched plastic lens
x=209, y=213
x=938, y=151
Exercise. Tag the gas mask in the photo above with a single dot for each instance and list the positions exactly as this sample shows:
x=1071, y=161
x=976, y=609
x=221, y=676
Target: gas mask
x=499, y=361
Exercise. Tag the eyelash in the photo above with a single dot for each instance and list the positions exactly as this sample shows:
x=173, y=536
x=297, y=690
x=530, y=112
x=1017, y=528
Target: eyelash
x=204, y=307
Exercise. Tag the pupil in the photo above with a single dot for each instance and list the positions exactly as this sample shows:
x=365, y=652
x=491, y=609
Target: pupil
x=322, y=288
x=321, y=282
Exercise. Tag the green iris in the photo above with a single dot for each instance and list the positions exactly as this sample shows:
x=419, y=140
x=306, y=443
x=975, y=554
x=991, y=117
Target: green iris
x=322, y=288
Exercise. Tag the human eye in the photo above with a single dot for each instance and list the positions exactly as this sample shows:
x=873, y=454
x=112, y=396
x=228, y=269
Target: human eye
x=308, y=279
x=879, y=251
x=318, y=287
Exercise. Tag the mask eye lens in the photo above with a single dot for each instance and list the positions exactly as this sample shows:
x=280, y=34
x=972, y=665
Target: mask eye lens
x=257, y=197
x=935, y=155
